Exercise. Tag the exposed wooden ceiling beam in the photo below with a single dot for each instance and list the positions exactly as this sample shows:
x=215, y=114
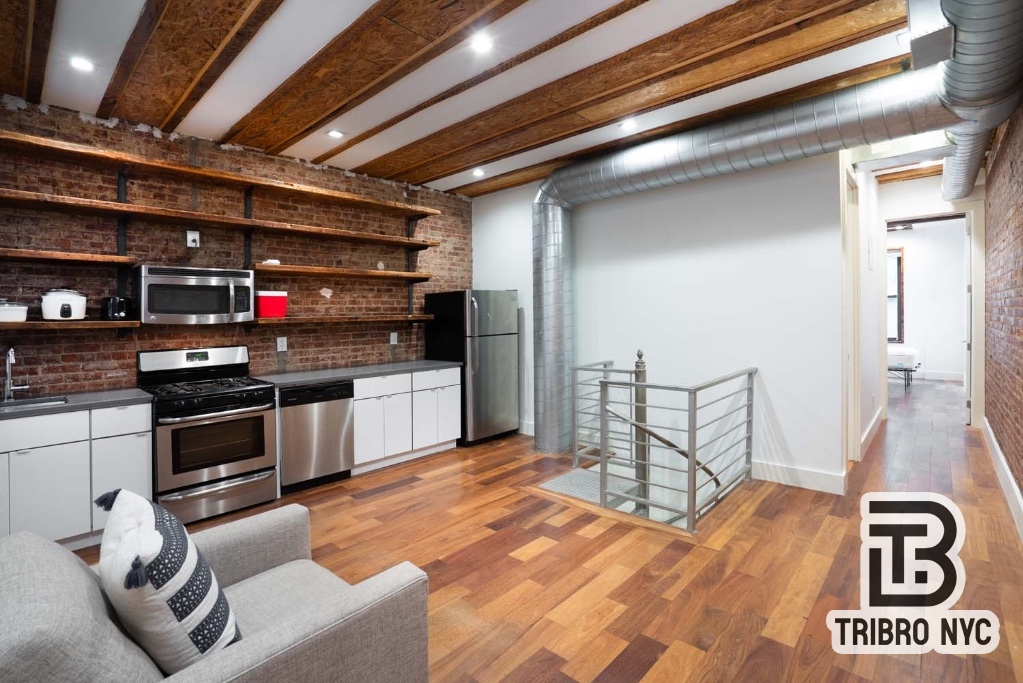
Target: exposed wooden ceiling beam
x=25, y=28
x=238, y=37
x=176, y=52
x=146, y=24
x=577, y=30
x=390, y=41
x=741, y=41
x=910, y=174
x=538, y=172
x=42, y=28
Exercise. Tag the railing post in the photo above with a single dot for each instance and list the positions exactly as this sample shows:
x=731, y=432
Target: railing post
x=640, y=437
x=603, y=443
x=691, y=464
x=749, y=425
x=575, y=417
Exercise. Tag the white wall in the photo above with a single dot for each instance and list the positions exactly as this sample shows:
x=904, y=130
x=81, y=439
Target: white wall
x=873, y=347
x=709, y=278
x=502, y=258
x=934, y=272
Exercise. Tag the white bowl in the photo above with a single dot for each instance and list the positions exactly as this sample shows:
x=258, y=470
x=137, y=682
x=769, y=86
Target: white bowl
x=13, y=313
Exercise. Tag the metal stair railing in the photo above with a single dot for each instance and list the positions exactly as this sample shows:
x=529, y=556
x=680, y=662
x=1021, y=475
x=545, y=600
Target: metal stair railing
x=640, y=472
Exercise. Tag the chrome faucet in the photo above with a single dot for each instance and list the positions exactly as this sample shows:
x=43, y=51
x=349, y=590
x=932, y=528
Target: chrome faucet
x=9, y=386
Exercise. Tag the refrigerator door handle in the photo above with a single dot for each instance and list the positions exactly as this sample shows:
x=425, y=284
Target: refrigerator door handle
x=475, y=360
x=475, y=316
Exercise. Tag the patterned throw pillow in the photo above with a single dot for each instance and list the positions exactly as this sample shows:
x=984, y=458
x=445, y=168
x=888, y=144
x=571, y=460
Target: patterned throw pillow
x=160, y=585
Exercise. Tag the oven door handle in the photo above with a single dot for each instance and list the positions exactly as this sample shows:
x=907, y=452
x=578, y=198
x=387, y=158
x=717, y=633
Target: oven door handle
x=211, y=416
x=210, y=490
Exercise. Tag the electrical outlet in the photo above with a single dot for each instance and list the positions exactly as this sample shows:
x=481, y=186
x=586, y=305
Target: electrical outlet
x=192, y=239
x=282, y=344
x=394, y=338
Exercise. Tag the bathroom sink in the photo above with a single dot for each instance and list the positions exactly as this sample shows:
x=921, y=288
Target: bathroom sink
x=29, y=403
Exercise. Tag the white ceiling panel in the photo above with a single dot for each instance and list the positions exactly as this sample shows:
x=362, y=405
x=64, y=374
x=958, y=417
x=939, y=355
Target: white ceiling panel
x=296, y=31
x=96, y=30
x=868, y=52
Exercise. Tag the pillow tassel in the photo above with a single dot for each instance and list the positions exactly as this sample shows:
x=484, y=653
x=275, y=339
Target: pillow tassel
x=106, y=501
x=137, y=576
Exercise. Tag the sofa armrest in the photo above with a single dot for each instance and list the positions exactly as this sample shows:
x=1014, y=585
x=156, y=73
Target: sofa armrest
x=249, y=546
x=374, y=631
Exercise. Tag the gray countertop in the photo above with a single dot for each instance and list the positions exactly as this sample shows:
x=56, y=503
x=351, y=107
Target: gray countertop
x=123, y=397
x=291, y=379
x=85, y=401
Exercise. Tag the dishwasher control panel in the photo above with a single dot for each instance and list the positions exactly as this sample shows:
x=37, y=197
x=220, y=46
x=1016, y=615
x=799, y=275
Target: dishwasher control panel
x=317, y=393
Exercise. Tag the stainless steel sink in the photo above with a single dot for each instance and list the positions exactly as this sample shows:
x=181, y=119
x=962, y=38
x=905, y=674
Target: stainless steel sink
x=29, y=403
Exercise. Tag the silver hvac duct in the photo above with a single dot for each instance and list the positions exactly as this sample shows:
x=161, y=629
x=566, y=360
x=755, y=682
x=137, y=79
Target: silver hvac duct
x=982, y=82
x=971, y=99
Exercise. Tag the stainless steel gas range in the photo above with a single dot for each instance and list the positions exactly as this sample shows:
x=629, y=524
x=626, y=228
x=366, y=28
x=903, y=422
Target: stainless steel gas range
x=215, y=431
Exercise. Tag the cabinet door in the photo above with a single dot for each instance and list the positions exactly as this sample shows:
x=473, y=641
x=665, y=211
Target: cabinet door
x=50, y=490
x=397, y=424
x=369, y=430
x=121, y=462
x=424, y=418
x=122, y=420
x=449, y=413
x=5, y=506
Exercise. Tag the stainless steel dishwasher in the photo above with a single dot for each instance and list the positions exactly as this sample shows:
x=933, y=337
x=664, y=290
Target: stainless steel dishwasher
x=317, y=433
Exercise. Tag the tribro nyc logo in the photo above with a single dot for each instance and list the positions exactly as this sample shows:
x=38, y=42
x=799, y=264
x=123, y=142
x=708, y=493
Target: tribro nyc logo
x=910, y=576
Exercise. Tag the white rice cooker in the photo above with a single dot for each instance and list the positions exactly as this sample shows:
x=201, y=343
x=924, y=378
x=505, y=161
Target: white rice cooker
x=63, y=304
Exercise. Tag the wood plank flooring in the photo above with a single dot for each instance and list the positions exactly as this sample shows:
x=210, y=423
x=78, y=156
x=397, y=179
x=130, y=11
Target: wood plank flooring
x=528, y=587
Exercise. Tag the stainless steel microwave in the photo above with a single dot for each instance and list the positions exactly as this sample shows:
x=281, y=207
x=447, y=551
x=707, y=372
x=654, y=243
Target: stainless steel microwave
x=170, y=295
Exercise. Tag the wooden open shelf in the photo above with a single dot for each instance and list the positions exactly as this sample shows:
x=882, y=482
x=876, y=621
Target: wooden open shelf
x=69, y=325
x=345, y=319
x=342, y=272
x=82, y=153
x=34, y=255
x=53, y=202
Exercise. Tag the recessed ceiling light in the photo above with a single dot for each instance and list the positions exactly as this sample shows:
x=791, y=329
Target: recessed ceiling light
x=479, y=173
x=628, y=125
x=82, y=64
x=481, y=43
x=336, y=134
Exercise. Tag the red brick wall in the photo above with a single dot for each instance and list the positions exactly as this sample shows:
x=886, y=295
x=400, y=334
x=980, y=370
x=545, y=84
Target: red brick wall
x=1004, y=315
x=71, y=361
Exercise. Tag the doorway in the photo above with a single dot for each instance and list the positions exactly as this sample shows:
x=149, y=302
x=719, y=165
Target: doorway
x=928, y=303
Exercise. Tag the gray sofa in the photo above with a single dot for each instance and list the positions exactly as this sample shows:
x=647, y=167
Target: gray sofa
x=299, y=621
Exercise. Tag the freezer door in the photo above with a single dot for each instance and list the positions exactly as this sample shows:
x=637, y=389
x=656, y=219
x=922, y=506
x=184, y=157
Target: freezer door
x=491, y=391
x=492, y=312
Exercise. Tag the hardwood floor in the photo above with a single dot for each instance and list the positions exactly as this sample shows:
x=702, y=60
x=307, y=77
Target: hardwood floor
x=527, y=587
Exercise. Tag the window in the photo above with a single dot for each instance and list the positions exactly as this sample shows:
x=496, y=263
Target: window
x=896, y=289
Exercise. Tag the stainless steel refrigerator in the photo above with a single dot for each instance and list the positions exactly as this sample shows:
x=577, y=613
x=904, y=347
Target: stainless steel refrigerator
x=480, y=329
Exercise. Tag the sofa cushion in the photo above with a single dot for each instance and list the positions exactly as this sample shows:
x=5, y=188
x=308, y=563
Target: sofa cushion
x=160, y=584
x=55, y=624
x=298, y=587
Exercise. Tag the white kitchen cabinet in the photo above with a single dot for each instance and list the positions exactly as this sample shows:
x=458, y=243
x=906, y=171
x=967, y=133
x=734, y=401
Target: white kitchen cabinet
x=120, y=420
x=397, y=424
x=44, y=430
x=121, y=462
x=49, y=490
x=5, y=488
x=449, y=413
x=424, y=418
x=383, y=427
x=436, y=407
x=369, y=430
